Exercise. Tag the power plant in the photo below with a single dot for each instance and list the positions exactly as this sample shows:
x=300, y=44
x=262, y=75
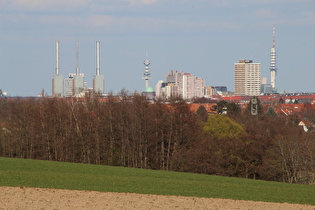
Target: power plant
x=98, y=81
x=78, y=79
x=75, y=85
x=57, y=81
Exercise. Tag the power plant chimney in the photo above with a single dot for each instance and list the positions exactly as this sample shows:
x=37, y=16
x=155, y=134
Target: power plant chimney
x=98, y=59
x=57, y=57
x=57, y=81
x=98, y=81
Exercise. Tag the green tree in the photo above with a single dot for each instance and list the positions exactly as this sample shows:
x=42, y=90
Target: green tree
x=233, y=109
x=220, y=107
x=223, y=107
x=223, y=127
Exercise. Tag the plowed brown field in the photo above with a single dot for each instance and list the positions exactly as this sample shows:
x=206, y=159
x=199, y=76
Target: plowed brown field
x=38, y=198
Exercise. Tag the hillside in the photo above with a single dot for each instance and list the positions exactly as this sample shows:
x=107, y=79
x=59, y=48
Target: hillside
x=59, y=175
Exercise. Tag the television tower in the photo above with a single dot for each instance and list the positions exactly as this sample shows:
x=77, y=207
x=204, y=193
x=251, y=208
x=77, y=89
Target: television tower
x=146, y=75
x=273, y=60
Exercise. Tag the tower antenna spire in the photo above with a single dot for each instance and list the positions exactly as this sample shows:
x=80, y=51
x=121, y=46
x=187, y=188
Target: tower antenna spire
x=273, y=60
x=77, y=58
x=274, y=36
x=57, y=58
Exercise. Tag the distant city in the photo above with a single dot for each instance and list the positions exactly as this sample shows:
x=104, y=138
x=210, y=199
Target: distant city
x=247, y=80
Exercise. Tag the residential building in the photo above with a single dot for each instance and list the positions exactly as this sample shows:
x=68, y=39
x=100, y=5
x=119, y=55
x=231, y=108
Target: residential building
x=209, y=91
x=182, y=84
x=247, y=78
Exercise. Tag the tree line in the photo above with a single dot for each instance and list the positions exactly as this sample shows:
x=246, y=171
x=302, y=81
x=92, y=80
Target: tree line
x=128, y=131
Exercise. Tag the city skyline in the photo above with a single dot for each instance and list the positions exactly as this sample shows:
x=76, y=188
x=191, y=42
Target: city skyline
x=201, y=37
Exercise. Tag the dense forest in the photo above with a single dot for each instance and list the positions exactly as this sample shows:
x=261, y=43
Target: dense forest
x=128, y=131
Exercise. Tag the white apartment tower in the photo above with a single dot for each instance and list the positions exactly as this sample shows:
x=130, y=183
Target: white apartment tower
x=247, y=78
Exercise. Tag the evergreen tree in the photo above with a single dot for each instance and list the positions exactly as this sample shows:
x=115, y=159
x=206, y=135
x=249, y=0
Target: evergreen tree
x=202, y=113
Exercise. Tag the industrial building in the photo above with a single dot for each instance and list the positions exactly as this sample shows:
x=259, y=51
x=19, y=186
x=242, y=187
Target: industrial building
x=74, y=85
x=98, y=81
x=57, y=81
x=78, y=79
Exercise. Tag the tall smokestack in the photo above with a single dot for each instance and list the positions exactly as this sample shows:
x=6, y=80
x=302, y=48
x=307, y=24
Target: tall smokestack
x=57, y=57
x=98, y=58
x=57, y=81
x=98, y=81
x=77, y=71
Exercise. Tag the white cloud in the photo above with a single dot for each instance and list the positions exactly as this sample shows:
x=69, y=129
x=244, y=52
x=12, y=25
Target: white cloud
x=95, y=21
x=264, y=14
x=39, y=5
x=153, y=25
x=135, y=2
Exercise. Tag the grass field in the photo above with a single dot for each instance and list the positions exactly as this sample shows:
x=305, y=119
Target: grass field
x=48, y=174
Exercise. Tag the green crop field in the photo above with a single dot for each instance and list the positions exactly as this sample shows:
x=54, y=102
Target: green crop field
x=74, y=176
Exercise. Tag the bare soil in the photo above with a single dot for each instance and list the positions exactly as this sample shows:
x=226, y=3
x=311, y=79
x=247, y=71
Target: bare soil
x=39, y=198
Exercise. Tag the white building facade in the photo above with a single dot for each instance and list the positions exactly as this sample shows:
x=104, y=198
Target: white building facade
x=180, y=84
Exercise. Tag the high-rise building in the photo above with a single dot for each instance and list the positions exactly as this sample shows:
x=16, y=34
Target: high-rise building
x=181, y=84
x=209, y=91
x=221, y=88
x=69, y=85
x=264, y=86
x=98, y=81
x=57, y=81
x=247, y=78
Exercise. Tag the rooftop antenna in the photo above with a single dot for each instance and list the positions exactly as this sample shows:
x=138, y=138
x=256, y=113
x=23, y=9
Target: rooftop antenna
x=98, y=60
x=77, y=58
x=273, y=36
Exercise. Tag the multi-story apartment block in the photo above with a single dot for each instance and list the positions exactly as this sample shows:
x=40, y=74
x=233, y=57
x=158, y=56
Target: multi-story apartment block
x=247, y=78
x=181, y=84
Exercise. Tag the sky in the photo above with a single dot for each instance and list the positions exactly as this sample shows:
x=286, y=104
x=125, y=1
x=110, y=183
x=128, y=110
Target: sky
x=201, y=37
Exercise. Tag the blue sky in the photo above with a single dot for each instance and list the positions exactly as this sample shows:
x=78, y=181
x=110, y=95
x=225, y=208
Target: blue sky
x=202, y=37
